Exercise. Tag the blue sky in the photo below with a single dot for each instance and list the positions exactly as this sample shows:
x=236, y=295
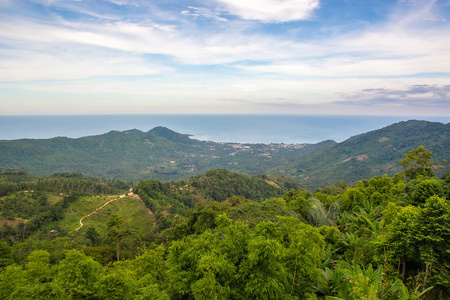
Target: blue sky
x=366, y=57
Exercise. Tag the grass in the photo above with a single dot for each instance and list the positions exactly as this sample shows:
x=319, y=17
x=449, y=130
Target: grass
x=54, y=198
x=134, y=214
x=80, y=208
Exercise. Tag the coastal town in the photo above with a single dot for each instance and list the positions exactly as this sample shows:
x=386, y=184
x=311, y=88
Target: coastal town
x=263, y=150
x=221, y=155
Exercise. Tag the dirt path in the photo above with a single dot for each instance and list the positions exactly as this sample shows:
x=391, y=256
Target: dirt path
x=98, y=208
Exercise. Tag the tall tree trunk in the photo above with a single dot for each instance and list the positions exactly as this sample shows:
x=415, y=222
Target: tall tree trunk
x=427, y=269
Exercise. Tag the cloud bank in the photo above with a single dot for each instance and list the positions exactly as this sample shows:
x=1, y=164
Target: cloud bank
x=417, y=95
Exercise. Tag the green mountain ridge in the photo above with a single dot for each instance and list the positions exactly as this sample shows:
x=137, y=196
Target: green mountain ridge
x=375, y=153
x=166, y=155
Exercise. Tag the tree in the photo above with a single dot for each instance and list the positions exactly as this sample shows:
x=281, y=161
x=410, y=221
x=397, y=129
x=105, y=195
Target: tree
x=233, y=261
x=5, y=254
x=117, y=284
x=352, y=199
x=433, y=240
x=114, y=233
x=76, y=276
x=419, y=237
x=199, y=269
x=418, y=162
x=92, y=235
x=425, y=189
x=399, y=238
x=37, y=275
x=298, y=202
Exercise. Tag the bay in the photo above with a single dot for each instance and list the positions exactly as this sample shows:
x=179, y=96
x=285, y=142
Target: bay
x=288, y=129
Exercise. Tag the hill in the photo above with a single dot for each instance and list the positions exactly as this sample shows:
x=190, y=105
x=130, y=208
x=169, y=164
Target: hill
x=372, y=154
x=133, y=155
x=369, y=241
x=37, y=205
x=166, y=155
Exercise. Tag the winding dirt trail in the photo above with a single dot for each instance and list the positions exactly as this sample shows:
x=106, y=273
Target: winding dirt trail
x=98, y=208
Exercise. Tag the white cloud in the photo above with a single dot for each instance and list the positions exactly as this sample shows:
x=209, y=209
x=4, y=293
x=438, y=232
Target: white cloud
x=202, y=12
x=137, y=39
x=416, y=97
x=98, y=45
x=237, y=61
x=271, y=10
x=376, y=52
x=27, y=65
x=389, y=50
x=344, y=66
x=396, y=48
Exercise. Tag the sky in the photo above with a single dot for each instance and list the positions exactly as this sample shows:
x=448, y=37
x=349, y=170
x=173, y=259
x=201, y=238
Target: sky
x=339, y=57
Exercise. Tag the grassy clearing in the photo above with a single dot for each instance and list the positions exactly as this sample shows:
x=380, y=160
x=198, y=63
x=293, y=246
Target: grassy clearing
x=82, y=207
x=134, y=214
x=54, y=198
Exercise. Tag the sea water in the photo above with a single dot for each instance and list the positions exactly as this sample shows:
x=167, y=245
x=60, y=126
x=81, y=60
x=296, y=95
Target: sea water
x=288, y=129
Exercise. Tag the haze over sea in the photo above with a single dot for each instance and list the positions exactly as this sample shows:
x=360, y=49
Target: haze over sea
x=219, y=128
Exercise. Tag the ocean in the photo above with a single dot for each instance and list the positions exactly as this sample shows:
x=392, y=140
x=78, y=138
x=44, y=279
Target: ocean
x=288, y=129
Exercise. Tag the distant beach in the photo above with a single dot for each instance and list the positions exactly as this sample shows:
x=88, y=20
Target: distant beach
x=288, y=129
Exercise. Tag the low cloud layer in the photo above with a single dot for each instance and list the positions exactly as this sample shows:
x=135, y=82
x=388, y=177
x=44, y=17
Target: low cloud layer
x=416, y=95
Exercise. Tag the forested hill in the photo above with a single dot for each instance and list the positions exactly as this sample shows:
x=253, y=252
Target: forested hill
x=158, y=154
x=167, y=155
x=226, y=235
x=374, y=153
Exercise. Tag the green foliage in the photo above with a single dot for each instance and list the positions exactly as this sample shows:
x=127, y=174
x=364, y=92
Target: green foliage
x=134, y=155
x=376, y=191
x=77, y=275
x=352, y=199
x=426, y=189
x=253, y=213
x=446, y=184
x=273, y=261
x=10, y=279
x=318, y=215
x=17, y=180
x=377, y=246
x=93, y=236
x=5, y=254
x=419, y=236
x=102, y=254
x=23, y=205
x=134, y=214
x=117, y=284
x=298, y=202
x=220, y=184
x=166, y=155
x=372, y=154
x=418, y=162
x=344, y=282
x=29, y=213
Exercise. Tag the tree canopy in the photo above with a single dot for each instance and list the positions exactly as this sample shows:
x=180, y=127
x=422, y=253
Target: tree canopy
x=381, y=238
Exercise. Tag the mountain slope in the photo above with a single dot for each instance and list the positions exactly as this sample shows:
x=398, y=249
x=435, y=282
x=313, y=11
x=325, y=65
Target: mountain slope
x=373, y=154
x=132, y=155
x=167, y=155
